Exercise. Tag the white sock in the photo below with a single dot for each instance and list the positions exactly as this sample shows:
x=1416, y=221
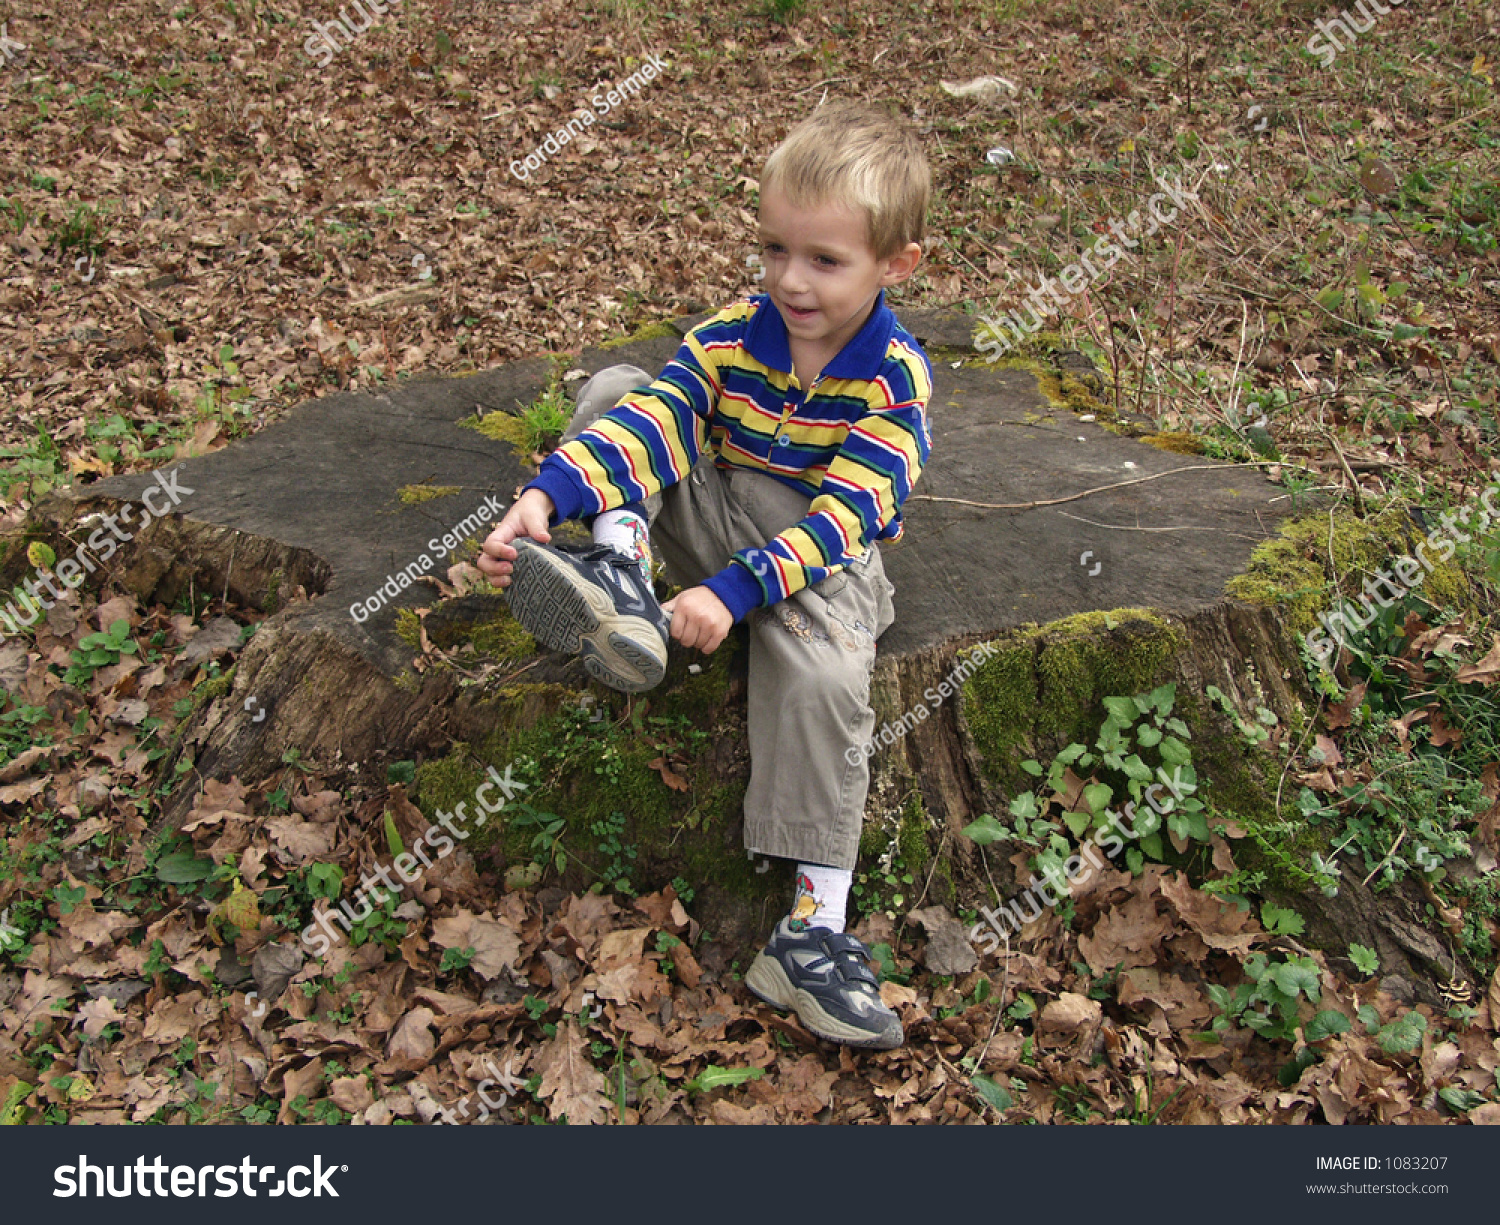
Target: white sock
x=822, y=894
x=627, y=534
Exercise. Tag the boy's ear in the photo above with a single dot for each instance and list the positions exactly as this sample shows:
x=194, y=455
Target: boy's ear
x=902, y=264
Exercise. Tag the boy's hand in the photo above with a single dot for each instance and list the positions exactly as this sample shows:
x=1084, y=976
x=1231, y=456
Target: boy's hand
x=529, y=517
x=699, y=619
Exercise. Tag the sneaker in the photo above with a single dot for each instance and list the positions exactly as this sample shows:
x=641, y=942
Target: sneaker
x=594, y=603
x=824, y=976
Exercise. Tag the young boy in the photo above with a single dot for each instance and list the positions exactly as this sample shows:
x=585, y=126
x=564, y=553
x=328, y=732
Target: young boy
x=766, y=460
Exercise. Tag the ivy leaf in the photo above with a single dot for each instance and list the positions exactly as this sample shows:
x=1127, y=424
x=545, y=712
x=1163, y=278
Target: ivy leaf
x=1096, y=796
x=1121, y=710
x=1282, y=921
x=1403, y=1034
x=1147, y=736
x=183, y=868
x=1034, y=768
x=1297, y=976
x=1326, y=1024
x=984, y=831
x=1461, y=1100
x=996, y=1095
x=1366, y=961
x=714, y=1077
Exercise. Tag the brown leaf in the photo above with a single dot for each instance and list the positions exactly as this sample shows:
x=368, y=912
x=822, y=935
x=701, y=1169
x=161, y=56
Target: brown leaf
x=1070, y=1013
x=302, y=841
x=1128, y=934
x=1341, y=714
x=571, y=1085
x=1487, y=670
x=664, y=909
x=669, y=776
x=495, y=942
x=1221, y=925
x=96, y=1014
x=412, y=1041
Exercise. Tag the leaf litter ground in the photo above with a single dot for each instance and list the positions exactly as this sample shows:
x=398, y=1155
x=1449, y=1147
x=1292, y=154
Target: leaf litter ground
x=207, y=229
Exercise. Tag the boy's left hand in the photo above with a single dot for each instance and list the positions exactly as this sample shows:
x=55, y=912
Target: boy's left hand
x=699, y=619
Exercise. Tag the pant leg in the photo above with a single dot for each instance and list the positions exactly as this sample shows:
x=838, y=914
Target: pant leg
x=811, y=658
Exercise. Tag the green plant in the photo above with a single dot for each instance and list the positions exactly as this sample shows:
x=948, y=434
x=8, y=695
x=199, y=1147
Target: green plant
x=543, y=422
x=455, y=959
x=619, y=855
x=1137, y=744
x=381, y=926
x=95, y=651
x=1267, y=1004
x=84, y=230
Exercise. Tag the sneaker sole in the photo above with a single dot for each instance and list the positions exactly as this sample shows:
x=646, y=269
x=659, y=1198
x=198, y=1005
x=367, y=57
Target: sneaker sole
x=564, y=612
x=768, y=980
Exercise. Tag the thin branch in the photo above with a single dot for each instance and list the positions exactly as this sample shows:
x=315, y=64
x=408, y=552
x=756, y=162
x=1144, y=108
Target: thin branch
x=1073, y=497
x=1125, y=527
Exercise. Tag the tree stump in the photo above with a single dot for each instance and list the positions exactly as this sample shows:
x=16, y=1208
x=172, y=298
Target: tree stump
x=1077, y=598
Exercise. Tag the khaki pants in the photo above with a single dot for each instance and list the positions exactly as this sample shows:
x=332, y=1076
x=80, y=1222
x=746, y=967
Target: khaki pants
x=811, y=656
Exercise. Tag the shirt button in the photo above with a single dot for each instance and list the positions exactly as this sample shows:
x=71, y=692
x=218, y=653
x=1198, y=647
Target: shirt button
x=782, y=440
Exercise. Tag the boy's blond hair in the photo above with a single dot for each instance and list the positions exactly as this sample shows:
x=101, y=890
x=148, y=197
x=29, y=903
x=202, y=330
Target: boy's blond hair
x=857, y=155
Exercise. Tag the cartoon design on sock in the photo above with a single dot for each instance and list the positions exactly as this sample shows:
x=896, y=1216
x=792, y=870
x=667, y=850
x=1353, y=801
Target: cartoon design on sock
x=805, y=905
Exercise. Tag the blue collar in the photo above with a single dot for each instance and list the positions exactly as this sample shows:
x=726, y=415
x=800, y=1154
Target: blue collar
x=766, y=341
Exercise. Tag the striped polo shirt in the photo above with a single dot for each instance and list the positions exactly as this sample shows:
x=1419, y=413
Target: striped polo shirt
x=854, y=442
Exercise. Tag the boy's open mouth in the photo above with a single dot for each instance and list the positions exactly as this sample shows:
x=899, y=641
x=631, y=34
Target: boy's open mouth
x=799, y=314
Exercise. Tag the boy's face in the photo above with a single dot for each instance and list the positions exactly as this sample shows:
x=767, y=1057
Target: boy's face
x=820, y=270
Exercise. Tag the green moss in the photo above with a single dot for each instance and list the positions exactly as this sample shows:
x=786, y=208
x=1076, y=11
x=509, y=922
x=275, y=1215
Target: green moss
x=411, y=495
x=585, y=771
x=1047, y=683
x=651, y=331
x=409, y=628
x=501, y=636
x=1295, y=572
x=273, y=591
x=873, y=840
x=911, y=836
x=1179, y=444
x=503, y=427
x=212, y=690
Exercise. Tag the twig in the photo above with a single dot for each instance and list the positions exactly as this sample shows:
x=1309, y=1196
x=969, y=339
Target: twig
x=819, y=85
x=1073, y=497
x=1400, y=838
x=1359, y=500
x=1125, y=527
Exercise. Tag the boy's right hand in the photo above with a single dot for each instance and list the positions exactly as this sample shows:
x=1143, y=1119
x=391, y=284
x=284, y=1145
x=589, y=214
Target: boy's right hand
x=530, y=517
